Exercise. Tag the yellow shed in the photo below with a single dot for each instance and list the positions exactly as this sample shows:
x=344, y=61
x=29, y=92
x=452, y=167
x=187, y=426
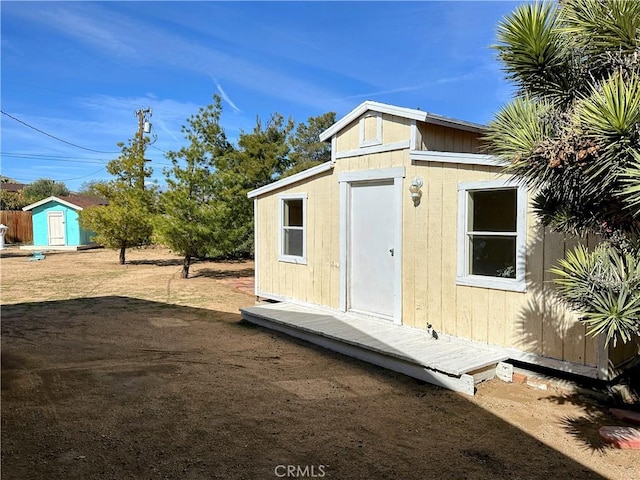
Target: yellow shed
x=411, y=225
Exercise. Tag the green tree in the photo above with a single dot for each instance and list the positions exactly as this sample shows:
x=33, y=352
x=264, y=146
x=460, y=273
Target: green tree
x=12, y=200
x=94, y=188
x=190, y=223
x=572, y=135
x=43, y=188
x=307, y=149
x=126, y=222
x=262, y=157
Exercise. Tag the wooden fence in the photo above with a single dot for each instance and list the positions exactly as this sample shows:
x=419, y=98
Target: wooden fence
x=20, y=226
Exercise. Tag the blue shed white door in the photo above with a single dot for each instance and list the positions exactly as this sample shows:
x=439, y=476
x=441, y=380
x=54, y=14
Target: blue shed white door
x=371, y=246
x=55, y=222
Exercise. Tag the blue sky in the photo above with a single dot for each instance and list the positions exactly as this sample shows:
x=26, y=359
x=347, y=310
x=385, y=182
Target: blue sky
x=79, y=70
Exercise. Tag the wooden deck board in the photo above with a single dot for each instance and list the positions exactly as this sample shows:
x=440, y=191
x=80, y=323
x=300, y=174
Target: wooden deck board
x=414, y=350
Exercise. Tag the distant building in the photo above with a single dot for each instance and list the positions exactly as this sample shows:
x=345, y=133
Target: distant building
x=12, y=187
x=56, y=225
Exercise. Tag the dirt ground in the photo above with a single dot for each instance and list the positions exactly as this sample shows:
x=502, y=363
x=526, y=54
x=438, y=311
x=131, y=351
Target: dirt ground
x=115, y=372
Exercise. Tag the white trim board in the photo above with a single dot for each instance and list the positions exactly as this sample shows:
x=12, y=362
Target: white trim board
x=53, y=198
x=554, y=364
x=59, y=248
x=292, y=179
x=414, y=155
x=388, y=147
x=454, y=157
x=374, y=174
x=409, y=113
x=256, y=252
x=377, y=140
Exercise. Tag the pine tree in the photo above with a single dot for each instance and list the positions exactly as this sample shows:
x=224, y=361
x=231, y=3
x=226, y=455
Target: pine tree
x=307, y=149
x=262, y=157
x=191, y=221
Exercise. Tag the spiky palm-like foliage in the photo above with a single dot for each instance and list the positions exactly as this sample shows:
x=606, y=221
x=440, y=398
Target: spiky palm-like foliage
x=605, y=286
x=572, y=134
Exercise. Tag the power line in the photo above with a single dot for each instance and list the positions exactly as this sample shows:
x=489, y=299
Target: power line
x=83, y=176
x=153, y=146
x=52, y=159
x=52, y=136
x=23, y=179
x=60, y=158
x=48, y=156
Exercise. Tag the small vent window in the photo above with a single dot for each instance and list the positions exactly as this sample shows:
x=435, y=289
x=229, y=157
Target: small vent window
x=371, y=129
x=293, y=228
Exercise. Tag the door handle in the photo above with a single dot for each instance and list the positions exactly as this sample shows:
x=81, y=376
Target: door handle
x=391, y=251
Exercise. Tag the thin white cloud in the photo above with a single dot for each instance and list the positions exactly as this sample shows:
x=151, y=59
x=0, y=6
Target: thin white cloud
x=224, y=95
x=122, y=36
x=439, y=81
x=74, y=23
x=457, y=78
x=384, y=92
x=164, y=128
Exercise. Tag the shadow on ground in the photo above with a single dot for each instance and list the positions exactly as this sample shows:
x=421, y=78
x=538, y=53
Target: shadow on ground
x=223, y=274
x=172, y=262
x=582, y=426
x=115, y=387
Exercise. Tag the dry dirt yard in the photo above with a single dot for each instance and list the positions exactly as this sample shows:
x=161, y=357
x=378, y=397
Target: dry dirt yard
x=115, y=372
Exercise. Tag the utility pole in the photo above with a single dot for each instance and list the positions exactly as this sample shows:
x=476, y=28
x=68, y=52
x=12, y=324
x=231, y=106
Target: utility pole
x=144, y=126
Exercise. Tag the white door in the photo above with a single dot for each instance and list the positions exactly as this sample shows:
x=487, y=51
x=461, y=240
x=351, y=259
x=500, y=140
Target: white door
x=55, y=221
x=372, y=253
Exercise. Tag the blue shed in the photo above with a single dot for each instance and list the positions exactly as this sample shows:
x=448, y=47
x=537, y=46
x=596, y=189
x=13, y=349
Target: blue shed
x=56, y=225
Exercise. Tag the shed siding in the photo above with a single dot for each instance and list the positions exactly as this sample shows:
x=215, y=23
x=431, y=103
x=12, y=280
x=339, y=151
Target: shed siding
x=317, y=281
x=41, y=226
x=349, y=138
x=532, y=321
x=446, y=139
x=394, y=129
x=74, y=235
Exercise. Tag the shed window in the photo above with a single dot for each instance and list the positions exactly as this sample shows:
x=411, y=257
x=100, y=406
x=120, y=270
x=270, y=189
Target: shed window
x=492, y=235
x=293, y=228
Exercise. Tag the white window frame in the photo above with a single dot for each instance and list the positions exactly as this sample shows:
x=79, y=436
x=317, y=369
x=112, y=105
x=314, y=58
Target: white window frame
x=281, y=228
x=463, y=277
x=368, y=142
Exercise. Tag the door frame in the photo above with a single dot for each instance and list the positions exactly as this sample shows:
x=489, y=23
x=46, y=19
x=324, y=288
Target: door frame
x=59, y=214
x=345, y=180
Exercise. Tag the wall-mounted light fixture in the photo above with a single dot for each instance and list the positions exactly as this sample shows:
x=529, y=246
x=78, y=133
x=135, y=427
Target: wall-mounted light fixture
x=416, y=193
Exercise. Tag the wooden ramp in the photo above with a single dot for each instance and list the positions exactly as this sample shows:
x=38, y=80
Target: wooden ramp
x=454, y=364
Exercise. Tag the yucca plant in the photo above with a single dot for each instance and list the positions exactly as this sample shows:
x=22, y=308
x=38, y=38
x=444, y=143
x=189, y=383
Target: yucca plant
x=572, y=135
x=631, y=184
x=604, y=285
